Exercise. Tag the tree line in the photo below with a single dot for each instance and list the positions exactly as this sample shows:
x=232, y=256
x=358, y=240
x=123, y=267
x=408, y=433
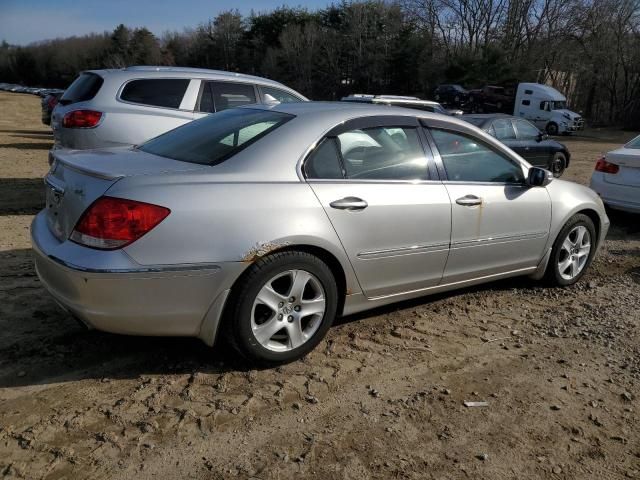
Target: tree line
x=589, y=49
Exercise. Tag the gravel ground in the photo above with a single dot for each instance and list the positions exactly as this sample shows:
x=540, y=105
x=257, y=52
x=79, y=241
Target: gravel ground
x=381, y=397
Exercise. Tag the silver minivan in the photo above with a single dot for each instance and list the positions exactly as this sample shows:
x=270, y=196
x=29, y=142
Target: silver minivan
x=124, y=107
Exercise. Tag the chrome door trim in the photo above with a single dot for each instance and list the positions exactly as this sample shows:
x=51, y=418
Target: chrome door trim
x=499, y=239
x=410, y=250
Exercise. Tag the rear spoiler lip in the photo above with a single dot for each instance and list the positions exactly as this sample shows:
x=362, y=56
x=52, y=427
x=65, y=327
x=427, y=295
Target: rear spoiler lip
x=55, y=157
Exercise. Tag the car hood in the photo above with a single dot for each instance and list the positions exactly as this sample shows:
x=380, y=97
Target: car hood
x=566, y=112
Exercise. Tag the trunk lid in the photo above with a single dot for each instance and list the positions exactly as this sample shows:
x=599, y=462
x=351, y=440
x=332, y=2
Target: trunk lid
x=78, y=178
x=628, y=159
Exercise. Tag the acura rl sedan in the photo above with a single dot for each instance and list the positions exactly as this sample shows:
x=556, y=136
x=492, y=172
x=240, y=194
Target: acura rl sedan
x=259, y=225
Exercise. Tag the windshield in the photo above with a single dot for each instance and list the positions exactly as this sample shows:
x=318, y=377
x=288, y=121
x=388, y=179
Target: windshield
x=216, y=137
x=635, y=143
x=558, y=105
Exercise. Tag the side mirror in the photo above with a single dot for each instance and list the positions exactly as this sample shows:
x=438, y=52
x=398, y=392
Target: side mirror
x=541, y=137
x=539, y=177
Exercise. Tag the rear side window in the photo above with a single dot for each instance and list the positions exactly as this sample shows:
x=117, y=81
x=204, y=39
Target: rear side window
x=277, y=95
x=504, y=130
x=215, y=138
x=162, y=92
x=84, y=88
x=383, y=153
x=230, y=95
x=324, y=162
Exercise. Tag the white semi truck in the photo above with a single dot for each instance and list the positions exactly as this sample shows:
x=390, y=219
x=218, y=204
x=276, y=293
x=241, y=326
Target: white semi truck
x=546, y=107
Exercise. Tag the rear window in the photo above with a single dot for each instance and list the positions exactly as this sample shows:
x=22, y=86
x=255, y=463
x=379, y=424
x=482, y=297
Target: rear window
x=84, y=88
x=217, y=137
x=635, y=143
x=163, y=92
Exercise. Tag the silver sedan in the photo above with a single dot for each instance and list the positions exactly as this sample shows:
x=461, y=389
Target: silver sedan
x=259, y=225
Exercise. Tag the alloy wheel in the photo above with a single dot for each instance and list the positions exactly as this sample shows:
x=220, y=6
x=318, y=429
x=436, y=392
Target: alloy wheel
x=288, y=310
x=574, y=252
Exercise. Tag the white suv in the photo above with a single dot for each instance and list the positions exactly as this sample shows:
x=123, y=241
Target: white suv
x=124, y=107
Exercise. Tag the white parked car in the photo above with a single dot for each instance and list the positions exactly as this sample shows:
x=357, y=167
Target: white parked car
x=617, y=177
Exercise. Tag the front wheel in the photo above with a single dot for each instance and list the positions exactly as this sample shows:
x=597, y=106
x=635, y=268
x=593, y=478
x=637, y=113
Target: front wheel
x=552, y=128
x=558, y=164
x=572, y=251
x=282, y=308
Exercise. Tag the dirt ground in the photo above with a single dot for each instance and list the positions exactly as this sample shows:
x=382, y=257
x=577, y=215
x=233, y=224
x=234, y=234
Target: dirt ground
x=381, y=397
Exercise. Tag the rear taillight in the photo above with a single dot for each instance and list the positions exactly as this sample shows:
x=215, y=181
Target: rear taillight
x=606, y=167
x=81, y=119
x=111, y=223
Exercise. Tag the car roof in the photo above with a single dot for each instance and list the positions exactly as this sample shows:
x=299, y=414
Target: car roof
x=487, y=117
x=149, y=71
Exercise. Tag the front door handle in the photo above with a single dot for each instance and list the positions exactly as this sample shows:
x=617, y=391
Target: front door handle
x=349, y=203
x=469, y=201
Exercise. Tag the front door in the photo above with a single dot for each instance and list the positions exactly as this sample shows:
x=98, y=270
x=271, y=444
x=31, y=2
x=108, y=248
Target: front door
x=380, y=192
x=499, y=224
x=532, y=147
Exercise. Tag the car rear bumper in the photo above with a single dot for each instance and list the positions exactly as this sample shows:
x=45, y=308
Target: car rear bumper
x=140, y=300
x=618, y=197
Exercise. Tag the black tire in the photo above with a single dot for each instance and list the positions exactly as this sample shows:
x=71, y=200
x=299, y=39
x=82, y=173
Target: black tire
x=552, y=128
x=558, y=164
x=237, y=318
x=552, y=274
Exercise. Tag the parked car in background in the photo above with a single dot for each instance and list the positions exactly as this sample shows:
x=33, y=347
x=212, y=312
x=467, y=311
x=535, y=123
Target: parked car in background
x=547, y=108
x=107, y=108
x=266, y=222
x=48, y=103
x=492, y=99
x=525, y=139
x=616, y=177
x=401, y=101
x=451, y=94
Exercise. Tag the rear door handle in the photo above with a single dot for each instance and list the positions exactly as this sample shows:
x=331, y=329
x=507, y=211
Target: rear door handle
x=349, y=203
x=469, y=201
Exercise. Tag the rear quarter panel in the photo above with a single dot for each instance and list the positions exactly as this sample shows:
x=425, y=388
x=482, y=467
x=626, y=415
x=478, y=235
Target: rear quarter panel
x=229, y=222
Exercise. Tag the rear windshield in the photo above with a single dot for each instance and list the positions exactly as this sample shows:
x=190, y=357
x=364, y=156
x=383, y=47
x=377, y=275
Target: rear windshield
x=635, y=143
x=84, y=88
x=161, y=92
x=216, y=137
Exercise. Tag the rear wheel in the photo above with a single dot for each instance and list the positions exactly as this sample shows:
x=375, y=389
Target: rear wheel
x=558, y=164
x=572, y=251
x=283, y=308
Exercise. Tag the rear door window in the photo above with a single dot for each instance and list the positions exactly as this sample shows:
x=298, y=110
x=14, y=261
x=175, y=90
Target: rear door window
x=84, y=88
x=229, y=95
x=161, y=92
x=504, y=130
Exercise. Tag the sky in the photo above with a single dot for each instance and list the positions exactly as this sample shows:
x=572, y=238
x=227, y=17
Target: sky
x=26, y=21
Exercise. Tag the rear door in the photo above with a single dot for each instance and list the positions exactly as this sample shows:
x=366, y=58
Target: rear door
x=382, y=194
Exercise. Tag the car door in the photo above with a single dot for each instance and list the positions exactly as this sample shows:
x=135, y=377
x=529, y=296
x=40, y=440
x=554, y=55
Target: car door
x=381, y=192
x=536, y=150
x=498, y=223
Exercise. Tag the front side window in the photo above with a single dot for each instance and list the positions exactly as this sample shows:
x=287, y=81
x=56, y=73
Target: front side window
x=383, y=153
x=161, y=92
x=467, y=159
x=526, y=130
x=504, y=130
x=277, y=95
x=231, y=95
x=217, y=137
